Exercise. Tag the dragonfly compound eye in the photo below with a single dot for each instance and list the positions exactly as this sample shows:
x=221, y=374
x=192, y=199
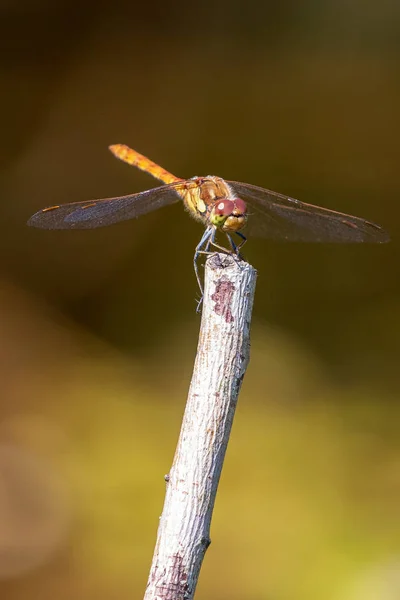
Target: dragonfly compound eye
x=221, y=211
x=224, y=208
x=240, y=207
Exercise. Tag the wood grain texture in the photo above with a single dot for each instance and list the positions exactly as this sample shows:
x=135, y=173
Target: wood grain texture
x=222, y=357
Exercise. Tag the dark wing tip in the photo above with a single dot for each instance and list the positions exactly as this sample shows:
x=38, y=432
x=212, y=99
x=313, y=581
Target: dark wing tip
x=37, y=219
x=379, y=235
x=44, y=218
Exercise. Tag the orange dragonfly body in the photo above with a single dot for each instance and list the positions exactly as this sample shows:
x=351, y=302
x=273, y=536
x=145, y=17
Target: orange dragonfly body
x=219, y=205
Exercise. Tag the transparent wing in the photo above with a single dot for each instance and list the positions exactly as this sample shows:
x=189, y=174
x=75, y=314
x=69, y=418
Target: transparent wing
x=278, y=217
x=99, y=213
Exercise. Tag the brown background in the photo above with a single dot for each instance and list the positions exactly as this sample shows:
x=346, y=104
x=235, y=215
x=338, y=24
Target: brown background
x=98, y=328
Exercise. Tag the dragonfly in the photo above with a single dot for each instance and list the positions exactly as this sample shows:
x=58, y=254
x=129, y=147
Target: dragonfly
x=230, y=207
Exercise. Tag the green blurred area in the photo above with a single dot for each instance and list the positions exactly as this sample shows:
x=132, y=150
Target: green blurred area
x=99, y=330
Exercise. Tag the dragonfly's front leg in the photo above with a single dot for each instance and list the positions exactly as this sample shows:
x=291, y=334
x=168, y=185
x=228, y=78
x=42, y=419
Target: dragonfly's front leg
x=202, y=248
x=236, y=247
x=242, y=243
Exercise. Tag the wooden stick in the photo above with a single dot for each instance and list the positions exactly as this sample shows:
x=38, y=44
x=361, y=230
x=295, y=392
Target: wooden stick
x=222, y=358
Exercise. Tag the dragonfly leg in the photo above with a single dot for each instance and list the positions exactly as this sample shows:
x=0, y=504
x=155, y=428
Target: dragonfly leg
x=232, y=243
x=236, y=247
x=207, y=239
x=240, y=245
x=243, y=238
x=207, y=248
x=226, y=250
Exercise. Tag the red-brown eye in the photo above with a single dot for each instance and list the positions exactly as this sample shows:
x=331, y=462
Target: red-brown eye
x=224, y=208
x=240, y=206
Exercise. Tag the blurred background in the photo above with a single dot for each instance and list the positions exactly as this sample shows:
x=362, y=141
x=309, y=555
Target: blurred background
x=99, y=329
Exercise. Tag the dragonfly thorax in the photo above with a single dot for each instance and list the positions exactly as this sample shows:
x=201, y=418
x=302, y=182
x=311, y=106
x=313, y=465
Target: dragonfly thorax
x=229, y=215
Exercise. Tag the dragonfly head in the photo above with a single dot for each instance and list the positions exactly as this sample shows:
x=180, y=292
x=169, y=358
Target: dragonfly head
x=229, y=215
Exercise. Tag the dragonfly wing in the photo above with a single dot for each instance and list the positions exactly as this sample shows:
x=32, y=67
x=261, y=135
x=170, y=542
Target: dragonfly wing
x=99, y=213
x=278, y=217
